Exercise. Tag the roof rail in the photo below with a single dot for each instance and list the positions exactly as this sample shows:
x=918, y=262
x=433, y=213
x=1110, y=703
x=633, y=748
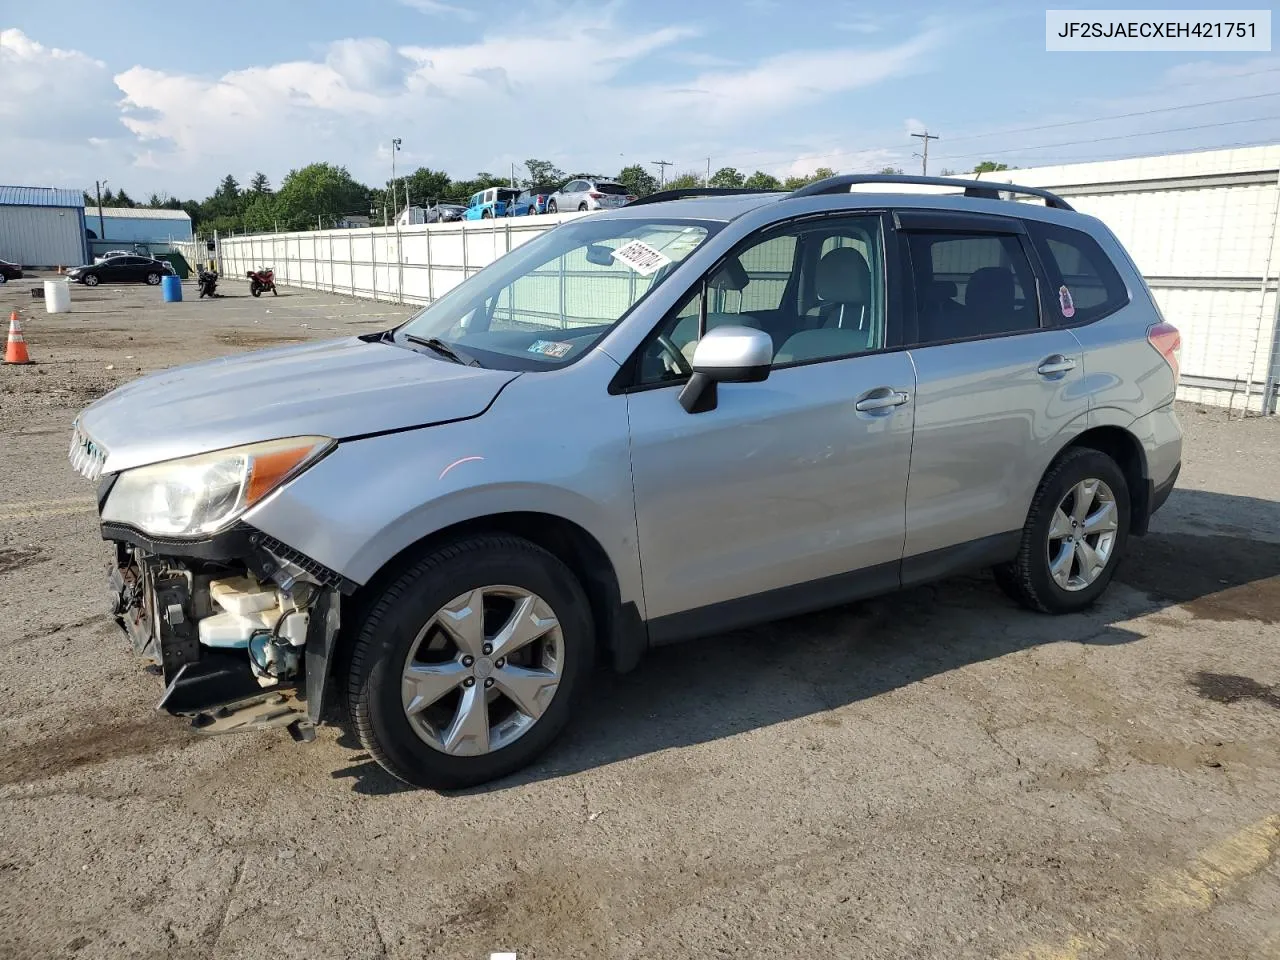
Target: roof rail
x=987, y=189
x=684, y=193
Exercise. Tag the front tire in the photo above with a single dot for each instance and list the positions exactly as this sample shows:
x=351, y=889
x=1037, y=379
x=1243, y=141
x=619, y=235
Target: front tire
x=469, y=664
x=1075, y=535
x=91, y=281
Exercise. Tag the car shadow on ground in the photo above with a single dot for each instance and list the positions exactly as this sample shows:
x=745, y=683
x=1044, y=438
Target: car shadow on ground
x=735, y=682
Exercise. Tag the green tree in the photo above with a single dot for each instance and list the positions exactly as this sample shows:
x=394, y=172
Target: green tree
x=108, y=198
x=990, y=166
x=638, y=181
x=424, y=185
x=259, y=184
x=891, y=171
x=318, y=192
x=543, y=173
x=796, y=182
x=762, y=181
x=684, y=181
x=727, y=177
x=260, y=211
x=124, y=200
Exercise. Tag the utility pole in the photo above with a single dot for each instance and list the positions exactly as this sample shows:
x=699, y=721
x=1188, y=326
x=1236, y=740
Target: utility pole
x=924, y=157
x=513, y=175
x=102, y=230
x=706, y=181
x=395, y=147
x=662, y=171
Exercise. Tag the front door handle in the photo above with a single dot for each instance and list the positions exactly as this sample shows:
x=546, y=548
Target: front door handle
x=1056, y=364
x=881, y=399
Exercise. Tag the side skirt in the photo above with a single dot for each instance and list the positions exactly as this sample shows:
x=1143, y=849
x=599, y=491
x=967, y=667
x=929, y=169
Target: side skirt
x=833, y=591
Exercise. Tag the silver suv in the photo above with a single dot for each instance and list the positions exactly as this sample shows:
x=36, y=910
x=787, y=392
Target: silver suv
x=588, y=194
x=644, y=426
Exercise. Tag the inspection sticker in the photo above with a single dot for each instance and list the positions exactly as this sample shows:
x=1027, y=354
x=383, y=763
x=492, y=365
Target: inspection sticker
x=641, y=257
x=550, y=348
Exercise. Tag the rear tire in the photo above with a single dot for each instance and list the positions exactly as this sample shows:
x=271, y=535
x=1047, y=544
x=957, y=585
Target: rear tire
x=390, y=640
x=153, y=279
x=582, y=208
x=255, y=289
x=533, y=209
x=1082, y=496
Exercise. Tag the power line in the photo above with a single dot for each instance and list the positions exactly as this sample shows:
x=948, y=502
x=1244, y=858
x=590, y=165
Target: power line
x=662, y=170
x=1117, y=116
x=1122, y=136
x=1123, y=116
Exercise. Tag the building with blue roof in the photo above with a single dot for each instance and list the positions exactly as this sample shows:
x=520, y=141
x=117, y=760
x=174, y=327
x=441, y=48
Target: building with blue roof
x=42, y=226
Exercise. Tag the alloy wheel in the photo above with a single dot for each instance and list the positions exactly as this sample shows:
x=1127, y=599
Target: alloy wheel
x=1082, y=534
x=483, y=670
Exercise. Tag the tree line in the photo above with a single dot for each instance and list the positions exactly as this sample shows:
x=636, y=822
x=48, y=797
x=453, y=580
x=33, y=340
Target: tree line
x=321, y=195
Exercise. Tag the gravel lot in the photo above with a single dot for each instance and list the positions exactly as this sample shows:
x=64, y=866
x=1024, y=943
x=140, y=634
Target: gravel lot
x=932, y=774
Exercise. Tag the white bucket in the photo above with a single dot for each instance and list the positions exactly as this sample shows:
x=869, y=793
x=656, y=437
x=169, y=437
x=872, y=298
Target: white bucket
x=57, y=296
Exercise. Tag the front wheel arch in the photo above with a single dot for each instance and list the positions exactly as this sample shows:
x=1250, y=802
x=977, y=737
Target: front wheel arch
x=619, y=627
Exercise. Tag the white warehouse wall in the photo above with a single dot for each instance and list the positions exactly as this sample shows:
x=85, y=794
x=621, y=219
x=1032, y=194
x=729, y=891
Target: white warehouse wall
x=1201, y=227
x=37, y=236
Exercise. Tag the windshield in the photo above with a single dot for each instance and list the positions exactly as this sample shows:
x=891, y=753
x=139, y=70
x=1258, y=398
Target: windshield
x=550, y=300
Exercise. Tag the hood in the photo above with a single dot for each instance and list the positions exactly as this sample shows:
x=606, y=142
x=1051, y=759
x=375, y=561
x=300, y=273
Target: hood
x=335, y=388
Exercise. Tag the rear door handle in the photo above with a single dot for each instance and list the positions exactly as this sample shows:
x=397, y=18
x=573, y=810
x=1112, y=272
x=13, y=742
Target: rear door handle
x=1055, y=364
x=882, y=398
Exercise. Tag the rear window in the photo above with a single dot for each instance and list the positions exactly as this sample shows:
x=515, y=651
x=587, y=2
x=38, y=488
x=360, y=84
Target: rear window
x=616, y=189
x=1086, y=285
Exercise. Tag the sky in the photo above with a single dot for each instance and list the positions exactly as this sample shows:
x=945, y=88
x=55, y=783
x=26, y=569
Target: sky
x=165, y=103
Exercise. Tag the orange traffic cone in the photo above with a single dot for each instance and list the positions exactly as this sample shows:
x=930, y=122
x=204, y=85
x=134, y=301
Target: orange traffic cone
x=15, y=350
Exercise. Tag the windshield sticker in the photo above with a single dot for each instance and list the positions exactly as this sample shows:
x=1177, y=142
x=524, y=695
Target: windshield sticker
x=1065, y=302
x=641, y=257
x=550, y=348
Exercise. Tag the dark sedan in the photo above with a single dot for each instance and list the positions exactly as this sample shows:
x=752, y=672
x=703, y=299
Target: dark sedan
x=128, y=269
x=9, y=271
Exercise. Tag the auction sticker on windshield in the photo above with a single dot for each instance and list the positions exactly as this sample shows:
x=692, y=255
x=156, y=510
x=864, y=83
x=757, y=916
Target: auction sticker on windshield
x=641, y=257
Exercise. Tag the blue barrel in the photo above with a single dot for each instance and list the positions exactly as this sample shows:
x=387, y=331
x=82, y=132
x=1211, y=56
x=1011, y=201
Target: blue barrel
x=171, y=286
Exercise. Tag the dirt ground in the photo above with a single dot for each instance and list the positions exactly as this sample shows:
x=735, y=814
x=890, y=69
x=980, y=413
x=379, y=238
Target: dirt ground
x=932, y=774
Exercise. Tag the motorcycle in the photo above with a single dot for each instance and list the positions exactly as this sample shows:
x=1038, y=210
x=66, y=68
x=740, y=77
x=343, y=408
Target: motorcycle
x=261, y=280
x=208, y=282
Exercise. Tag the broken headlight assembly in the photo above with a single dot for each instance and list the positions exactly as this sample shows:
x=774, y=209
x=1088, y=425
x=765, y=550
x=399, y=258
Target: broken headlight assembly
x=196, y=496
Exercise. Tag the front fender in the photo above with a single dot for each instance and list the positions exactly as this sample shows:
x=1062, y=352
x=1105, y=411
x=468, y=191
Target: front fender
x=370, y=499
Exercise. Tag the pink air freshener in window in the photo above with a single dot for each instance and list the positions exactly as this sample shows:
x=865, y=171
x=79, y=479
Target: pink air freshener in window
x=1065, y=301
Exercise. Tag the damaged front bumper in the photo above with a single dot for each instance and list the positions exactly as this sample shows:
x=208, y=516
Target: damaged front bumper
x=241, y=628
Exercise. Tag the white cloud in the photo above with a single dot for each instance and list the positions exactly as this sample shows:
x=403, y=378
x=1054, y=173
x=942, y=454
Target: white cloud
x=438, y=7
x=54, y=93
x=594, y=87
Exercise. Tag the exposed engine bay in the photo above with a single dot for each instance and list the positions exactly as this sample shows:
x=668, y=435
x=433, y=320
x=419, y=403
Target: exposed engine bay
x=241, y=643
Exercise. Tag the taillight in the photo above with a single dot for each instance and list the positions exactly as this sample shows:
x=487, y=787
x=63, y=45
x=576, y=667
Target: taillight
x=595, y=196
x=1168, y=343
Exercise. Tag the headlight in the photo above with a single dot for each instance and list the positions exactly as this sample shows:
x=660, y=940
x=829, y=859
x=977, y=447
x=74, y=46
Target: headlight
x=197, y=495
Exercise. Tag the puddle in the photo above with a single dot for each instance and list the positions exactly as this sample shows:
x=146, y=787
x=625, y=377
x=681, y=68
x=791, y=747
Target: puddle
x=1232, y=688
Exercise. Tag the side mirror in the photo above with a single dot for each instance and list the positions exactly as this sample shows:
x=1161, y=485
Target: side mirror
x=726, y=355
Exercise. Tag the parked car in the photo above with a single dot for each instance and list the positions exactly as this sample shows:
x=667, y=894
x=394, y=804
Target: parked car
x=490, y=203
x=445, y=212
x=444, y=525
x=531, y=202
x=9, y=271
x=588, y=194
x=121, y=269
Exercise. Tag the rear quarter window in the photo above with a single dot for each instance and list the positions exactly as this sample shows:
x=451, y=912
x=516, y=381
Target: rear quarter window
x=1085, y=285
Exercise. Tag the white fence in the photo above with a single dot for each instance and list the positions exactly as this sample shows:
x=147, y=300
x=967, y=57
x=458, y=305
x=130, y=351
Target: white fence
x=414, y=264
x=1202, y=228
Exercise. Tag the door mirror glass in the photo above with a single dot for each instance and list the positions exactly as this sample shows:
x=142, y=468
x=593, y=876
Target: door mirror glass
x=734, y=355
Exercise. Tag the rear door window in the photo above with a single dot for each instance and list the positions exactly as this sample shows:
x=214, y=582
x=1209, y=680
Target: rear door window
x=970, y=284
x=1086, y=285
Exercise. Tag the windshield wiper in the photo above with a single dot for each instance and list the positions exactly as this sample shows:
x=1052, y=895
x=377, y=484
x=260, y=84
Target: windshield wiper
x=442, y=348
